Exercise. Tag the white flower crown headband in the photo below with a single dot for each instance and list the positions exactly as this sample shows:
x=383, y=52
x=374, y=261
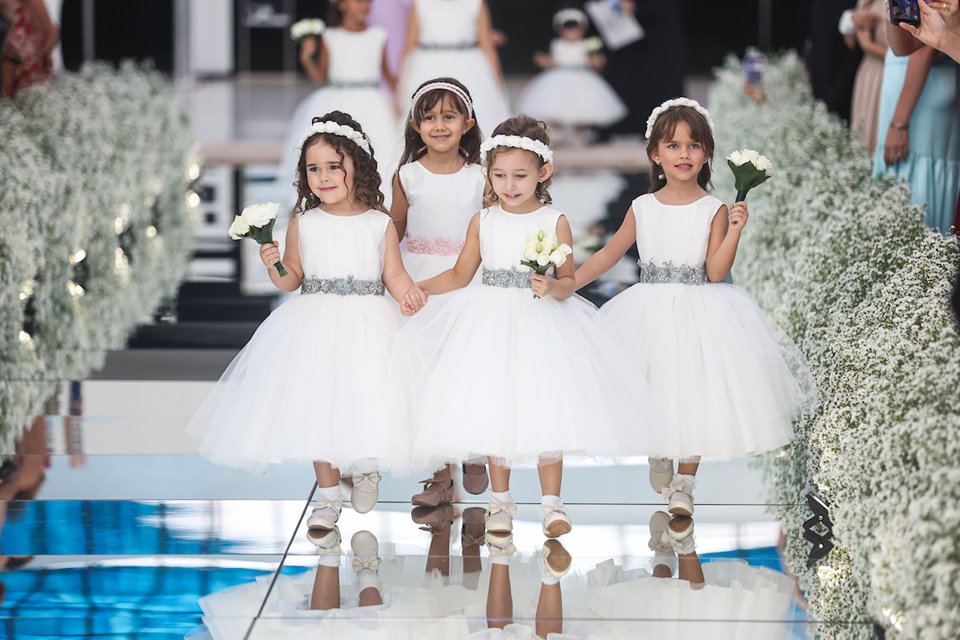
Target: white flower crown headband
x=336, y=129
x=676, y=102
x=516, y=142
x=569, y=15
x=445, y=86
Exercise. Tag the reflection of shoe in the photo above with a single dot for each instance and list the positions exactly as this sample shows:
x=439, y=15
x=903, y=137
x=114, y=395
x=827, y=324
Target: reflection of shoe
x=499, y=517
x=431, y=497
x=472, y=529
x=661, y=473
x=555, y=560
x=475, y=478
x=680, y=495
x=366, y=491
x=500, y=546
x=327, y=541
x=681, y=532
x=366, y=552
x=555, y=521
x=435, y=518
x=661, y=542
x=324, y=516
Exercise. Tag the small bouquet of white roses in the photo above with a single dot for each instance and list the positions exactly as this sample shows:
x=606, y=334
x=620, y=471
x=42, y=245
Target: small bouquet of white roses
x=308, y=28
x=542, y=251
x=750, y=169
x=256, y=222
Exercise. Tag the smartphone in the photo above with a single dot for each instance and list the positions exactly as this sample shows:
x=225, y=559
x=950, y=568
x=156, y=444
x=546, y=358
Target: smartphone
x=905, y=11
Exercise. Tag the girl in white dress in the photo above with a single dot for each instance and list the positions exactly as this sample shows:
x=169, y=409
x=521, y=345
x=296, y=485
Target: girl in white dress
x=435, y=193
x=570, y=93
x=496, y=371
x=454, y=38
x=302, y=387
x=732, y=382
x=349, y=62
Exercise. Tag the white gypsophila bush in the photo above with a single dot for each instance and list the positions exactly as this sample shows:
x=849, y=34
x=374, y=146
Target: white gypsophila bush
x=845, y=266
x=116, y=149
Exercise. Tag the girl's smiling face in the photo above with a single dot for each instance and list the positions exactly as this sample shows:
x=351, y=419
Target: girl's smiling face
x=514, y=175
x=443, y=126
x=680, y=156
x=330, y=178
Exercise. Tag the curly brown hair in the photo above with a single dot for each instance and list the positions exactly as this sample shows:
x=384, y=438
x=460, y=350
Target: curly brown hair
x=366, y=179
x=525, y=127
x=665, y=127
x=413, y=146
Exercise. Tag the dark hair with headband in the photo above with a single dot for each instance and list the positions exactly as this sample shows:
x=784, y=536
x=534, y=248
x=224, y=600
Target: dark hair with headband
x=413, y=145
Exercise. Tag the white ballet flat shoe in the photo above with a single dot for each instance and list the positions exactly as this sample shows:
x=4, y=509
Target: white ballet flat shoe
x=555, y=560
x=500, y=546
x=324, y=516
x=555, y=521
x=366, y=552
x=661, y=543
x=499, y=517
x=679, y=493
x=366, y=491
x=661, y=473
x=327, y=541
x=681, y=532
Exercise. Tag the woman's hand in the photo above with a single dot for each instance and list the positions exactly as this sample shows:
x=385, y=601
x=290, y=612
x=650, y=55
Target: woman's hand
x=270, y=254
x=896, y=147
x=738, y=216
x=308, y=50
x=936, y=21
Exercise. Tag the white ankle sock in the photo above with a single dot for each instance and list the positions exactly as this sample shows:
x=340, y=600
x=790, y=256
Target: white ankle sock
x=367, y=578
x=550, y=501
x=502, y=496
x=329, y=559
x=500, y=560
x=548, y=580
x=329, y=494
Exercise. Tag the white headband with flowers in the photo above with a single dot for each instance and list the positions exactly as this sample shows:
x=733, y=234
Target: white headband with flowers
x=569, y=15
x=676, y=102
x=445, y=86
x=337, y=129
x=516, y=142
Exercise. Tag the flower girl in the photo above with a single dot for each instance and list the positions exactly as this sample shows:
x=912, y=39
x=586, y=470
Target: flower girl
x=570, y=94
x=515, y=369
x=732, y=383
x=302, y=387
x=436, y=191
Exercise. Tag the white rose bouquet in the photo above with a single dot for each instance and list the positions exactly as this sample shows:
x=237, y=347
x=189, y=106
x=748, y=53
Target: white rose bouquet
x=542, y=251
x=750, y=169
x=308, y=28
x=256, y=222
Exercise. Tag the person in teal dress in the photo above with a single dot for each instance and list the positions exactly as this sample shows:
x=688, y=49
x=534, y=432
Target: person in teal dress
x=918, y=136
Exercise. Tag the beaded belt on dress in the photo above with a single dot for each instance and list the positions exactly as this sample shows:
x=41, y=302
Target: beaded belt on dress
x=447, y=46
x=506, y=278
x=434, y=246
x=354, y=84
x=348, y=286
x=669, y=273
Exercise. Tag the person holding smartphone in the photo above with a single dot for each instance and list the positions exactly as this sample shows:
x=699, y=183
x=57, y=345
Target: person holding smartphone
x=938, y=27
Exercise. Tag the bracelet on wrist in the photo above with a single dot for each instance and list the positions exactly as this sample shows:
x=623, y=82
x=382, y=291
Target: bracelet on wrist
x=899, y=126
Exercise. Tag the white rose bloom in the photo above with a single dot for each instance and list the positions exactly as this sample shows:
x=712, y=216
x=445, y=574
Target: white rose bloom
x=558, y=257
x=533, y=236
x=258, y=215
x=752, y=156
x=543, y=259
x=765, y=165
x=239, y=228
x=737, y=157
x=530, y=251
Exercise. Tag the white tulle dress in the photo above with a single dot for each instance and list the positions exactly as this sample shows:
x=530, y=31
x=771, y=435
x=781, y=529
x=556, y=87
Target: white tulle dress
x=571, y=92
x=448, y=48
x=306, y=386
x=732, y=383
x=439, y=212
x=495, y=372
x=353, y=86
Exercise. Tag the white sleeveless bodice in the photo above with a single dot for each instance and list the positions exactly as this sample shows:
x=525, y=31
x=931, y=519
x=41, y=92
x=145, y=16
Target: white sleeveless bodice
x=341, y=246
x=503, y=234
x=355, y=56
x=441, y=205
x=675, y=234
x=448, y=22
x=569, y=54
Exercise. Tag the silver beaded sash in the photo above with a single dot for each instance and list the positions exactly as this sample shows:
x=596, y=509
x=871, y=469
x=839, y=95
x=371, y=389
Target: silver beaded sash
x=354, y=84
x=448, y=46
x=669, y=273
x=348, y=286
x=506, y=278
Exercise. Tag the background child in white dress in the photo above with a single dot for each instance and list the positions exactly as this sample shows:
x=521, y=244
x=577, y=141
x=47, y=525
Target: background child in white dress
x=570, y=94
x=301, y=388
x=436, y=191
x=732, y=383
x=454, y=38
